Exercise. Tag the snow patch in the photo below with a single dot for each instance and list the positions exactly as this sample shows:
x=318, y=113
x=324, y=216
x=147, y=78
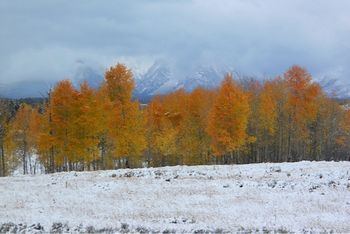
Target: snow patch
x=293, y=197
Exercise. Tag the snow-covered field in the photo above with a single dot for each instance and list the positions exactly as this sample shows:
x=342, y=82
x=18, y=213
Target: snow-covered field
x=292, y=197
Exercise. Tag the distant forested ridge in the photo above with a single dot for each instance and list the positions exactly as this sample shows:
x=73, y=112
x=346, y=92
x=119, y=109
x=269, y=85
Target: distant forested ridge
x=288, y=118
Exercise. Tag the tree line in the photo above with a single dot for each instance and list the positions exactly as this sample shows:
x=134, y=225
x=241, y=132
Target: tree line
x=288, y=118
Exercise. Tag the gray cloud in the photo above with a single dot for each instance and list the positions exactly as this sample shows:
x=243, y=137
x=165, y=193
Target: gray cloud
x=47, y=40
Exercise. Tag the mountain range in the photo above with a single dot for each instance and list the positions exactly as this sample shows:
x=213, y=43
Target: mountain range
x=158, y=79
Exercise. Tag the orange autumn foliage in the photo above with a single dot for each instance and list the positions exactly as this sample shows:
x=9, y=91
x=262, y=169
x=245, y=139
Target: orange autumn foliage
x=302, y=99
x=127, y=122
x=267, y=109
x=288, y=118
x=119, y=83
x=229, y=118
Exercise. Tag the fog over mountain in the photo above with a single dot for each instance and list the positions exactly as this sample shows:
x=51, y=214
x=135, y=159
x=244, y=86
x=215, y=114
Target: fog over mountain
x=42, y=41
x=158, y=79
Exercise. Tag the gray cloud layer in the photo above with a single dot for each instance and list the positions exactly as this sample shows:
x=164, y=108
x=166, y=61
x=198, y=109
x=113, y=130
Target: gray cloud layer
x=48, y=40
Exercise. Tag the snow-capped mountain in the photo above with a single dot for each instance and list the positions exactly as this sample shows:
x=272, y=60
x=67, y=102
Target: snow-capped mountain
x=159, y=79
x=88, y=74
x=207, y=77
x=333, y=88
x=156, y=80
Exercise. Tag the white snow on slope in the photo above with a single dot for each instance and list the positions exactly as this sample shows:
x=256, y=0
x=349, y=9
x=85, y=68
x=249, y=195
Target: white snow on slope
x=303, y=196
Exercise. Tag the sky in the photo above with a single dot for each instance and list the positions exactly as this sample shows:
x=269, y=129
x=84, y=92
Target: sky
x=49, y=40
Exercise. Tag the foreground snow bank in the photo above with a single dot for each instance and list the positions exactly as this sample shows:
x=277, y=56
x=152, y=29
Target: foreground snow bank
x=299, y=197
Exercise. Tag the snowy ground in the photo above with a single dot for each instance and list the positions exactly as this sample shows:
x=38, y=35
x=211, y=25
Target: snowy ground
x=293, y=197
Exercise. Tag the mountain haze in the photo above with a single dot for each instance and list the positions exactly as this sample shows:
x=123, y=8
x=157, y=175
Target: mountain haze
x=158, y=79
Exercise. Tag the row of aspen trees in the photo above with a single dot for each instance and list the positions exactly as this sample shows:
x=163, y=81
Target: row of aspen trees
x=288, y=118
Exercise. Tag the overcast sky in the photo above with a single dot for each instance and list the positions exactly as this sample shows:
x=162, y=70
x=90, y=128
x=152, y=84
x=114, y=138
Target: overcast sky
x=48, y=40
